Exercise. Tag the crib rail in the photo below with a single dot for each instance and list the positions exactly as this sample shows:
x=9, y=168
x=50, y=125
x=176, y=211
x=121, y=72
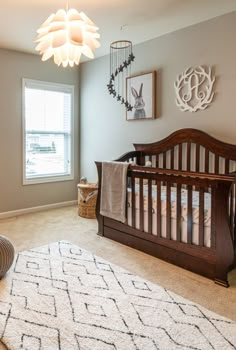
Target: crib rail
x=191, y=174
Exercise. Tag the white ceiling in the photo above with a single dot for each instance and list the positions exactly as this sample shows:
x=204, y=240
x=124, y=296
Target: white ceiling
x=136, y=20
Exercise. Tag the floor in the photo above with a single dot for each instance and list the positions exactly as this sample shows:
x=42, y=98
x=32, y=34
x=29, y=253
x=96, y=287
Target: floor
x=33, y=230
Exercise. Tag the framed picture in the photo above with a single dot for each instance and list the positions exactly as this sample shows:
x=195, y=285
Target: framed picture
x=141, y=94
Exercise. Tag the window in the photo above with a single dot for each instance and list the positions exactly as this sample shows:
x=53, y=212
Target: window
x=47, y=125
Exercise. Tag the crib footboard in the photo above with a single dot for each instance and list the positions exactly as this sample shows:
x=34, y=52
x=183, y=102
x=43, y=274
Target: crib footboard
x=180, y=217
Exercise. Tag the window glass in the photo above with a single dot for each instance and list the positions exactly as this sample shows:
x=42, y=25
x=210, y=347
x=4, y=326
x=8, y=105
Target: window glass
x=48, y=110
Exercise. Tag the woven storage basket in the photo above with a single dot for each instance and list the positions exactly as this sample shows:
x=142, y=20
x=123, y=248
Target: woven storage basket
x=87, y=198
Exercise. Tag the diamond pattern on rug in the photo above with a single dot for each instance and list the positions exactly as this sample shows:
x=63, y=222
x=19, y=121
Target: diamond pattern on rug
x=31, y=296
x=61, y=297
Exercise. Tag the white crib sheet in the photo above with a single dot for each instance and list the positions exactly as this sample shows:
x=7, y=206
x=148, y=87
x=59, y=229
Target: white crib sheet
x=184, y=198
x=184, y=213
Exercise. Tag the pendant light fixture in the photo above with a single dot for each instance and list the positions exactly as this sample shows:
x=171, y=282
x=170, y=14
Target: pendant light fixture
x=66, y=35
x=121, y=57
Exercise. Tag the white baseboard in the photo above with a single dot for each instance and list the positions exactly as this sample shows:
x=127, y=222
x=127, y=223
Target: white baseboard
x=9, y=214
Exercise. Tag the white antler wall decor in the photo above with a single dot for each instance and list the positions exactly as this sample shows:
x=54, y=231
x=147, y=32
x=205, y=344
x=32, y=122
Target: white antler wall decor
x=193, y=89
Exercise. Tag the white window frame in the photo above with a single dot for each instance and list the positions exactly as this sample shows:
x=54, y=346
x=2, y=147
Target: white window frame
x=53, y=87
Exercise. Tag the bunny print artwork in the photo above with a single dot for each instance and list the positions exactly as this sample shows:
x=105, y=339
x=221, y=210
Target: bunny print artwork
x=139, y=104
x=141, y=95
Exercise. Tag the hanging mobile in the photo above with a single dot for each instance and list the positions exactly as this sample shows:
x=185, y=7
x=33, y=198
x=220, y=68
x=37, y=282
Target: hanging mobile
x=121, y=56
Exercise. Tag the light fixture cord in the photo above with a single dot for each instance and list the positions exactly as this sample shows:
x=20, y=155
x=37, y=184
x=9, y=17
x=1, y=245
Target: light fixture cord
x=67, y=5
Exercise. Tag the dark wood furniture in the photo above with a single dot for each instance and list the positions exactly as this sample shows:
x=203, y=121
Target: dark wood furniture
x=195, y=161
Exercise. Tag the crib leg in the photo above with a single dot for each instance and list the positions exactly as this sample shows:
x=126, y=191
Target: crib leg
x=222, y=279
x=100, y=220
x=222, y=283
x=100, y=233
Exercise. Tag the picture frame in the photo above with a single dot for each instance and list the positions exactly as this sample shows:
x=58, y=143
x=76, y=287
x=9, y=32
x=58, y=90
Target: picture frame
x=141, y=94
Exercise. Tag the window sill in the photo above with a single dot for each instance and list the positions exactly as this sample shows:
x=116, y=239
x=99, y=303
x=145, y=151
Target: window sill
x=41, y=180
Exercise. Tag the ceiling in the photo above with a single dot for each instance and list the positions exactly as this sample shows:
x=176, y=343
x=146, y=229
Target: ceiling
x=136, y=20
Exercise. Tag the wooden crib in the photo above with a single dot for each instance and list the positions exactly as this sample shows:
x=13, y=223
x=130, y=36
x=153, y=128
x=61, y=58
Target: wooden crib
x=196, y=168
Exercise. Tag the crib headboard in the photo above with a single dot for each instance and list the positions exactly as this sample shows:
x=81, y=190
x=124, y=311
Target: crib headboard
x=190, y=150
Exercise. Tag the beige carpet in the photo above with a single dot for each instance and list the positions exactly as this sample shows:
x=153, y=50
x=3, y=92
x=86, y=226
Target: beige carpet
x=37, y=229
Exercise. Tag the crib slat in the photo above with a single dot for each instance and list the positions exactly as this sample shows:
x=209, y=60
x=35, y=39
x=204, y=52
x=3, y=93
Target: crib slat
x=168, y=211
x=226, y=166
x=197, y=157
x=178, y=213
x=141, y=211
x=133, y=200
x=189, y=215
x=172, y=158
x=206, y=160
x=188, y=156
x=201, y=216
x=231, y=210
x=157, y=160
x=180, y=157
x=234, y=229
x=217, y=170
x=149, y=206
x=142, y=159
x=158, y=209
x=164, y=160
x=213, y=218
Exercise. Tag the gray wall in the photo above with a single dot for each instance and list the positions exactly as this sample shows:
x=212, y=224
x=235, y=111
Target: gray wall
x=105, y=133
x=13, y=195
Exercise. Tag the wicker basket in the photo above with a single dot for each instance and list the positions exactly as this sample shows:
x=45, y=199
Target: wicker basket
x=87, y=198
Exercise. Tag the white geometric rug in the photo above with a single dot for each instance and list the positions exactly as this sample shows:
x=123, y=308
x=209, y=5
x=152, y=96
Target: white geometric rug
x=61, y=297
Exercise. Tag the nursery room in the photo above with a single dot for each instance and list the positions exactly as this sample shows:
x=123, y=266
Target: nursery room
x=117, y=181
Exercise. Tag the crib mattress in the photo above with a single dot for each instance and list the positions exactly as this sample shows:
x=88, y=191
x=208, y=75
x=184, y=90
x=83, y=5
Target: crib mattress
x=184, y=200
